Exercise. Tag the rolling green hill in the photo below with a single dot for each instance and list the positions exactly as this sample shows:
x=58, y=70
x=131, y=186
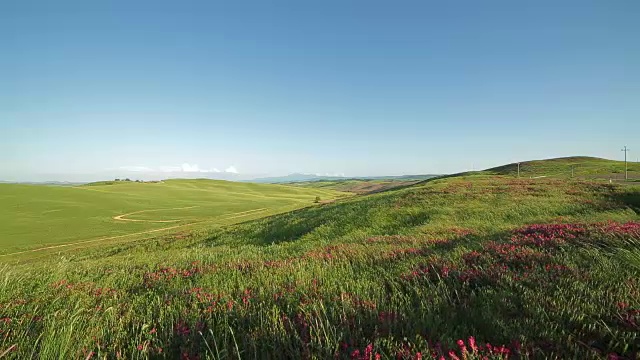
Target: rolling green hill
x=536, y=268
x=357, y=186
x=583, y=167
x=34, y=216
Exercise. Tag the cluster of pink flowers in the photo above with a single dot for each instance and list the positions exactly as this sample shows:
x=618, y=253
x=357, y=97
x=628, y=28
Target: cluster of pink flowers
x=98, y=292
x=554, y=235
x=181, y=328
x=402, y=253
x=330, y=252
x=366, y=354
x=548, y=235
x=203, y=296
x=433, y=271
x=458, y=187
x=355, y=301
x=492, y=264
x=185, y=355
x=628, y=317
x=148, y=346
x=462, y=232
x=628, y=229
x=210, y=302
x=88, y=287
x=392, y=239
x=521, y=258
x=168, y=273
x=275, y=264
x=407, y=352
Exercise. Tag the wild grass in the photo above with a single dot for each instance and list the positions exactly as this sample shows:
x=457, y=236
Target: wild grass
x=401, y=274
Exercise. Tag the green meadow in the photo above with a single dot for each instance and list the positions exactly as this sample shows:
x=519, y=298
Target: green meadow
x=36, y=216
x=472, y=266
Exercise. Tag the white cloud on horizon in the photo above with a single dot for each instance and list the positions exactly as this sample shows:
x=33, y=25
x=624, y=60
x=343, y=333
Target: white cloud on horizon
x=190, y=168
x=195, y=168
x=185, y=168
x=231, y=169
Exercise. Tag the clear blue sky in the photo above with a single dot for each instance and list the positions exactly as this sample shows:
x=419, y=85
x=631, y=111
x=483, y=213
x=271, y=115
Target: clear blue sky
x=352, y=87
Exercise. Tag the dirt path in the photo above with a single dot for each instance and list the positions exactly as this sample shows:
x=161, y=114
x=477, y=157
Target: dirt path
x=235, y=215
x=121, y=217
x=100, y=239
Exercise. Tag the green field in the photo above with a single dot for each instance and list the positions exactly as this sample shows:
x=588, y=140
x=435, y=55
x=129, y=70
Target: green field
x=544, y=268
x=35, y=216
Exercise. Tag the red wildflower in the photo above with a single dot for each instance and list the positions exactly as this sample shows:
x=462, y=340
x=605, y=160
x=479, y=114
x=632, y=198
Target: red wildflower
x=355, y=354
x=472, y=344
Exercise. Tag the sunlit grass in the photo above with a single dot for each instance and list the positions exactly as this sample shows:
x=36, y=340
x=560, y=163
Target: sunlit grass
x=353, y=279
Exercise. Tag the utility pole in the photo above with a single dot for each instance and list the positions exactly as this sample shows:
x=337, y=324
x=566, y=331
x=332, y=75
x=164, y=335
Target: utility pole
x=626, y=171
x=518, y=169
x=572, y=170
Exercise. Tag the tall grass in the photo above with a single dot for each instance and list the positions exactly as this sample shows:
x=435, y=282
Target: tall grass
x=393, y=274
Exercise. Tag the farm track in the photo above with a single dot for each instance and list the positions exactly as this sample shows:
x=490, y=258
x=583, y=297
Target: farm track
x=100, y=239
x=235, y=215
x=122, y=217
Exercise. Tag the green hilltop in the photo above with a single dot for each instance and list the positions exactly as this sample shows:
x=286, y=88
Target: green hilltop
x=583, y=167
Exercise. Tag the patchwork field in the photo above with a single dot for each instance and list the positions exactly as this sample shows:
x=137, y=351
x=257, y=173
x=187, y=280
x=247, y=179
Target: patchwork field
x=466, y=267
x=35, y=216
x=355, y=186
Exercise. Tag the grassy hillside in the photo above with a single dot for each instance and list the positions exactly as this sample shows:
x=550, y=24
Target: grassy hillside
x=542, y=268
x=357, y=186
x=583, y=167
x=34, y=216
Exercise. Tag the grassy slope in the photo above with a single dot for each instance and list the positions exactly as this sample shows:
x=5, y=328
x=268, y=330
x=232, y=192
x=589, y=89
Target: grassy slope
x=357, y=186
x=35, y=215
x=584, y=167
x=334, y=278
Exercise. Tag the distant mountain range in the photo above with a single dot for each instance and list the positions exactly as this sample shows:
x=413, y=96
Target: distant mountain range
x=292, y=178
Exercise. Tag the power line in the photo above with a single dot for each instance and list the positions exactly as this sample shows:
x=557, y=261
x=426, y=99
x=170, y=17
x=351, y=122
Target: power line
x=626, y=169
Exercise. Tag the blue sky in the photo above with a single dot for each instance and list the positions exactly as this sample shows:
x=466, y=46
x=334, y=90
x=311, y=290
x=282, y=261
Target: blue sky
x=91, y=89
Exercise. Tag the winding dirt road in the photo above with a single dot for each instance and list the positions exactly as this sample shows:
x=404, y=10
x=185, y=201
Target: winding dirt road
x=122, y=217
